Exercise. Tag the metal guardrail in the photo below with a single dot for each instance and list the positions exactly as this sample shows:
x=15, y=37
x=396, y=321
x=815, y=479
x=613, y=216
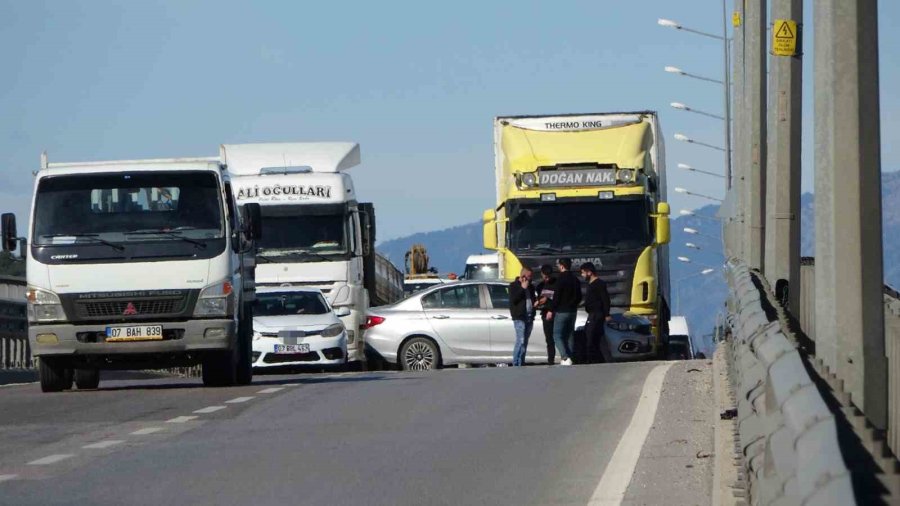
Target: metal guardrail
x=787, y=433
x=14, y=350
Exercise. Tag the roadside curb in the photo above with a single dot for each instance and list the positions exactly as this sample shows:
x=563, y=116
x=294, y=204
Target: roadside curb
x=725, y=467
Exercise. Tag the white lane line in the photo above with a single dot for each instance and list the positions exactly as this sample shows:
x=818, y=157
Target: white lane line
x=7, y=477
x=617, y=476
x=148, y=430
x=270, y=390
x=51, y=459
x=99, y=445
x=238, y=400
x=210, y=409
x=182, y=419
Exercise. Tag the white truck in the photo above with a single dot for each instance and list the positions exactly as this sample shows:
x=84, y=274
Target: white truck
x=314, y=231
x=137, y=264
x=484, y=266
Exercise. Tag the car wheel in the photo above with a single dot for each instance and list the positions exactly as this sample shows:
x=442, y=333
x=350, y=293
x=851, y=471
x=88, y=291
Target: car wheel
x=87, y=379
x=420, y=354
x=54, y=375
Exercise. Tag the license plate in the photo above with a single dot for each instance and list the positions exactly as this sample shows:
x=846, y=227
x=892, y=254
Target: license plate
x=291, y=348
x=134, y=333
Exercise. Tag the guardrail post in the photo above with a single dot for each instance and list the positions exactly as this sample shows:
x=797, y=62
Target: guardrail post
x=782, y=244
x=854, y=217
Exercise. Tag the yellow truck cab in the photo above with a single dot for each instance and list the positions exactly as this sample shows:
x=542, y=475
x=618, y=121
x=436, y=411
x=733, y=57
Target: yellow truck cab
x=590, y=187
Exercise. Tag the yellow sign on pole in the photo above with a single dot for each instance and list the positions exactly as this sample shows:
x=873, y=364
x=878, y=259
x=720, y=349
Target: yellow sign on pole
x=784, y=37
x=736, y=19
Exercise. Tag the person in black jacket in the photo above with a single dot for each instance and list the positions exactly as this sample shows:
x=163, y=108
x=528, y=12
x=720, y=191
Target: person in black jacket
x=545, y=294
x=596, y=304
x=563, y=309
x=521, y=309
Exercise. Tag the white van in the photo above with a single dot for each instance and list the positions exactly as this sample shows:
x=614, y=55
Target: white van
x=680, y=344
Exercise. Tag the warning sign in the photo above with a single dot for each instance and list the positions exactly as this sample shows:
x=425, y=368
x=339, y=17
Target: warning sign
x=784, y=37
x=736, y=19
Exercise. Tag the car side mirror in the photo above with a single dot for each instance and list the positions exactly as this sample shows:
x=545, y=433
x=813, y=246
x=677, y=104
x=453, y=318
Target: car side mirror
x=251, y=216
x=342, y=311
x=10, y=237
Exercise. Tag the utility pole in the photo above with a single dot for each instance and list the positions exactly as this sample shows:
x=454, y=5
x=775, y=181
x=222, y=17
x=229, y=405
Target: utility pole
x=737, y=224
x=855, y=175
x=755, y=138
x=726, y=70
x=782, y=244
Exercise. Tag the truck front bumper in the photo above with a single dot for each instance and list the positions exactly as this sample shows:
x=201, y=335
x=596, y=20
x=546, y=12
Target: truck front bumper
x=183, y=337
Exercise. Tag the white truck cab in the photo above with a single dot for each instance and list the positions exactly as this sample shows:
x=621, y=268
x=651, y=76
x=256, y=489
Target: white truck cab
x=485, y=266
x=315, y=233
x=137, y=264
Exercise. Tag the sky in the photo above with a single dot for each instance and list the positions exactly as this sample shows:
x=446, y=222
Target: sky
x=417, y=84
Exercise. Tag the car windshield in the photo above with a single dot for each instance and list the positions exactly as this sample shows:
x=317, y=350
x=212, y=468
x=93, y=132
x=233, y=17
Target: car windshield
x=578, y=226
x=482, y=271
x=126, y=207
x=289, y=303
x=303, y=235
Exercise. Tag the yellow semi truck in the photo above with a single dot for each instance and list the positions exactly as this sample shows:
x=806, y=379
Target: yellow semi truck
x=590, y=187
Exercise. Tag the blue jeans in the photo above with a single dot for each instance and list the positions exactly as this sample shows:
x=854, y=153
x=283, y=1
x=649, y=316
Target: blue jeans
x=564, y=334
x=523, y=332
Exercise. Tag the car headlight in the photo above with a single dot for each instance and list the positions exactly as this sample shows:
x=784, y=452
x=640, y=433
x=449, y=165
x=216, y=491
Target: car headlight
x=215, y=300
x=622, y=326
x=43, y=305
x=333, y=330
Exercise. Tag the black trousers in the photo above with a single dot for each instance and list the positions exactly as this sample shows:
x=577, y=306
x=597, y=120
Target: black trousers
x=548, y=336
x=594, y=330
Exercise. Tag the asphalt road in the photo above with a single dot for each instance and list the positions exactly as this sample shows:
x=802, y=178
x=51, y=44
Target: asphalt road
x=534, y=435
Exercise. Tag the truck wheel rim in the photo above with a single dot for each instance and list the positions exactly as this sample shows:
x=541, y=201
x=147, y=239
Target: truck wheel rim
x=419, y=356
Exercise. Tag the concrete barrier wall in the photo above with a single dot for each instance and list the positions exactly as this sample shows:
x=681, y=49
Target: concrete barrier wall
x=14, y=349
x=787, y=433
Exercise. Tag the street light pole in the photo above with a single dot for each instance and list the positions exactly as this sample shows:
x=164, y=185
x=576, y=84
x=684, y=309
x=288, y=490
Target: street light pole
x=727, y=95
x=679, y=189
x=685, y=138
x=684, y=166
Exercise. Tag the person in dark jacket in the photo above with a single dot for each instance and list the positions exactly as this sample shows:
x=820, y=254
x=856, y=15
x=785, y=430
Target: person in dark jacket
x=563, y=309
x=521, y=309
x=545, y=294
x=596, y=304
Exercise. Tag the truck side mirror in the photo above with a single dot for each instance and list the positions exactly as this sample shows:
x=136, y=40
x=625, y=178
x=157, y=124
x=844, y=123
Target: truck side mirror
x=662, y=223
x=365, y=222
x=489, y=225
x=251, y=215
x=8, y=230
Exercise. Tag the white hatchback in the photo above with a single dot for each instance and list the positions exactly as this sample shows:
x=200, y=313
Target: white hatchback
x=296, y=327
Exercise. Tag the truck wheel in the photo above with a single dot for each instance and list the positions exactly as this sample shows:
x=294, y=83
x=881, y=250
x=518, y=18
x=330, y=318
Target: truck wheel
x=54, y=375
x=219, y=369
x=87, y=379
x=244, y=347
x=420, y=354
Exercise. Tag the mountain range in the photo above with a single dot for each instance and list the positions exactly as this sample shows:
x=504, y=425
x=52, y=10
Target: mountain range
x=699, y=297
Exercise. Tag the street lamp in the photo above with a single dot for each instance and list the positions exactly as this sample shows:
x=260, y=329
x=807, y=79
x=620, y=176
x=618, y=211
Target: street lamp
x=685, y=138
x=694, y=231
x=686, y=192
x=692, y=245
x=675, y=70
x=685, y=212
x=687, y=260
x=725, y=82
x=678, y=285
x=682, y=107
x=684, y=166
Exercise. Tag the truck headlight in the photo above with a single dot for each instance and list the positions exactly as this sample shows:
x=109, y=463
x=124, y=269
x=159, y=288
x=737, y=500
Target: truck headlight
x=43, y=305
x=529, y=180
x=625, y=175
x=215, y=300
x=333, y=330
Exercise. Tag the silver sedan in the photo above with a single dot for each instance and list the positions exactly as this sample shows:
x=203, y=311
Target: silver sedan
x=468, y=322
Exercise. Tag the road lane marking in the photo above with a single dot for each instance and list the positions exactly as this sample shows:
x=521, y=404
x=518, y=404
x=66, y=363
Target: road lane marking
x=238, y=400
x=270, y=390
x=182, y=419
x=148, y=430
x=103, y=444
x=51, y=459
x=210, y=409
x=617, y=476
x=7, y=477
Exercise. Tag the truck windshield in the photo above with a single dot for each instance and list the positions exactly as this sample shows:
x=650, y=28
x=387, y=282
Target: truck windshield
x=578, y=226
x=303, y=235
x=289, y=303
x=127, y=207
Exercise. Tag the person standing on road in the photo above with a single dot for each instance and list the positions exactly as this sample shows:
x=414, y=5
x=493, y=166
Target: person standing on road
x=545, y=294
x=521, y=309
x=596, y=303
x=563, y=309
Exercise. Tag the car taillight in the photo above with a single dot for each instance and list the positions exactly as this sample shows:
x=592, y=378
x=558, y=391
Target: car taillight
x=371, y=321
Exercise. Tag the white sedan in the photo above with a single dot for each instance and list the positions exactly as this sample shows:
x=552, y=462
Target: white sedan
x=296, y=327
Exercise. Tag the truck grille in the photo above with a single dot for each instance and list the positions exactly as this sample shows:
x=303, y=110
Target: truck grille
x=143, y=305
x=120, y=308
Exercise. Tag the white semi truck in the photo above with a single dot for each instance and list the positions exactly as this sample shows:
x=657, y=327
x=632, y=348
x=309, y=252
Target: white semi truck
x=314, y=231
x=137, y=264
